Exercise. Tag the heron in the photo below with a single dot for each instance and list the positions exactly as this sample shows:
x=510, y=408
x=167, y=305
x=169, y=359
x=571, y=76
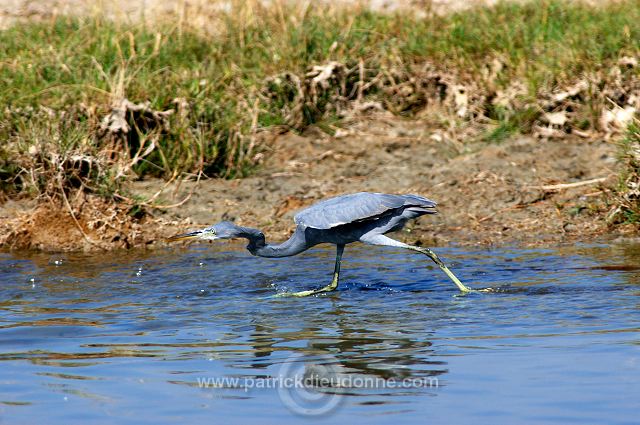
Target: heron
x=359, y=217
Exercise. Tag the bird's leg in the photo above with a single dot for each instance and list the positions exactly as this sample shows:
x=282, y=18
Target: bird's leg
x=387, y=241
x=438, y=261
x=330, y=287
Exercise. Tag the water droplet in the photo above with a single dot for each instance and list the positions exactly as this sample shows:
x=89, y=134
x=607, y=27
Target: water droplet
x=57, y=260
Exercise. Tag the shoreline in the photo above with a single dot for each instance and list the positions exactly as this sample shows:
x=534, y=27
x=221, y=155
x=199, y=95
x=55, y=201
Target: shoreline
x=531, y=198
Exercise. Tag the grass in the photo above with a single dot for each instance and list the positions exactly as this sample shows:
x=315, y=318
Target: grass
x=627, y=197
x=59, y=79
x=510, y=122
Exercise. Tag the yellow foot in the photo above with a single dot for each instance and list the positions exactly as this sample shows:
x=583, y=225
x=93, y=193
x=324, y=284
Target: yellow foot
x=328, y=288
x=483, y=290
x=486, y=290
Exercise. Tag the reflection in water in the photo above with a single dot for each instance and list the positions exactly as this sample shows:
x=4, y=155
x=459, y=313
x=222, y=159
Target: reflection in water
x=140, y=328
x=357, y=350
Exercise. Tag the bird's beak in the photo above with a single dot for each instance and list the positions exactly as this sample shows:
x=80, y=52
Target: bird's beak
x=185, y=236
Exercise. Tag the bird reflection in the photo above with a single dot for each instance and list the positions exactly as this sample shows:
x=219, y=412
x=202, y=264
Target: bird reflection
x=355, y=348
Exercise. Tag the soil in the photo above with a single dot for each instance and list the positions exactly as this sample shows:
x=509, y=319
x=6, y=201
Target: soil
x=202, y=13
x=199, y=13
x=487, y=194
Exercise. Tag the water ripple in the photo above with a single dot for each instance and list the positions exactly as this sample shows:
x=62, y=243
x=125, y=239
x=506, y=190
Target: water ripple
x=141, y=328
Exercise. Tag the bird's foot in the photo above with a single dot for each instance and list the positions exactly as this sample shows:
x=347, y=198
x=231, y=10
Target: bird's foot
x=297, y=294
x=481, y=291
x=330, y=287
x=486, y=290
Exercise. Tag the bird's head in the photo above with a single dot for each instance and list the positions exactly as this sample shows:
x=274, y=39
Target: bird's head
x=222, y=230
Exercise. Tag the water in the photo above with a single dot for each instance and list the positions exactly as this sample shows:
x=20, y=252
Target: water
x=135, y=337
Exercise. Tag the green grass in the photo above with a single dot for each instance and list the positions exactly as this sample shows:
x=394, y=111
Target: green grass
x=627, y=196
x=81, y=65
x=509, y=123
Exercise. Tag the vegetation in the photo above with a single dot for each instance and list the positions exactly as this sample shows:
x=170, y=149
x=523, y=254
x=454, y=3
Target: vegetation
x=74, y=89
x=627, y=198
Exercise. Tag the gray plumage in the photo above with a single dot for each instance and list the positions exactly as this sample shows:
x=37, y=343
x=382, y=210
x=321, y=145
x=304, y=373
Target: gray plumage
x=358, y=207
x=359, y=217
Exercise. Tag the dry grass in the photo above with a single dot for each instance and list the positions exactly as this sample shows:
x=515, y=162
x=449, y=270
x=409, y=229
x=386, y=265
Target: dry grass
x=91, y=103
x=626, y=202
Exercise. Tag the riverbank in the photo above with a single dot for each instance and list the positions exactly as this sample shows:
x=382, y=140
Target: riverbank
x=523, y=191
x=121, y=135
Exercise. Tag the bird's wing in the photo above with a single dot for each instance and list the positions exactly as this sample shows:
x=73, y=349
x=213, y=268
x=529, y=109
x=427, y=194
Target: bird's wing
x=356, y=207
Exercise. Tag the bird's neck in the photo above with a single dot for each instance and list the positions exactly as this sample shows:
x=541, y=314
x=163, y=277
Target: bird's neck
x=258, y=246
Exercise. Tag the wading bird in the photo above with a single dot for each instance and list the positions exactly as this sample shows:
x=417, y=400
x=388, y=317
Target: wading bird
x=359, y=217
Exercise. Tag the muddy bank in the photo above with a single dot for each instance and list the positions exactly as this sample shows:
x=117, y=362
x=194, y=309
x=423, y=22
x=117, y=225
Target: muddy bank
x=524, y=190
x=506, y=164
x=201, y=13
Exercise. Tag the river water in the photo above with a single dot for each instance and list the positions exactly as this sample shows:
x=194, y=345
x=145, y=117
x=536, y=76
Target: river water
x=194, y=335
